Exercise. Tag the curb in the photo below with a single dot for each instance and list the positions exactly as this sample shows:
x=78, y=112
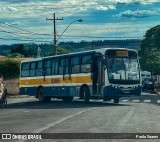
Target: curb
x=17, y=96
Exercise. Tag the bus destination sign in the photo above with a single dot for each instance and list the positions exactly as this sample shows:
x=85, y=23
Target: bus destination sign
x=121, y=53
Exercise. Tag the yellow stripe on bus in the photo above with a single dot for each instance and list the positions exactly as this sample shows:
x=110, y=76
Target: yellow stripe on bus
x=78, y=79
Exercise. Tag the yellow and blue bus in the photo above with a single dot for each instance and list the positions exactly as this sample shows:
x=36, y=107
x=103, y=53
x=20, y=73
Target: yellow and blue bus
x=107, y=73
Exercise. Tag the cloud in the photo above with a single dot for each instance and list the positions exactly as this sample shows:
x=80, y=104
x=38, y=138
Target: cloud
x=135, y=1
x=104, y=8
x=12, y=9
x=31, y=15
x=64, y=7
x=138, y=13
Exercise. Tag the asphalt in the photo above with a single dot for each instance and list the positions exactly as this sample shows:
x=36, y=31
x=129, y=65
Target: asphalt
x=156, y=92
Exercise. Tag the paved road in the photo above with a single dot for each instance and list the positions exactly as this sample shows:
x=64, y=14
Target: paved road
x=131, y=115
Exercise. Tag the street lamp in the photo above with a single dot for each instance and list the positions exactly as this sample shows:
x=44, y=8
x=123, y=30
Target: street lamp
x=80, y=20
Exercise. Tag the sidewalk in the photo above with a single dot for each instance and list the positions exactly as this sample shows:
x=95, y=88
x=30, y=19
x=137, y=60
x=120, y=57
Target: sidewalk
x=17, y=96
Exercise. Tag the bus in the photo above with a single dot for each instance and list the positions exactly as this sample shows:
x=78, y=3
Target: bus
x=87, y=75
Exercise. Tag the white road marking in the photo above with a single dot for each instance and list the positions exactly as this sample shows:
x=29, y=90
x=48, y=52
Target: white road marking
x=135, y=100
x=125, y=100
x=147, y=101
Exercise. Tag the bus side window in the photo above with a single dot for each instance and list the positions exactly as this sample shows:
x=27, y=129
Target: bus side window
x=39, y=69
x=47, y=67
x=32, y=69
x=86, y=64
x=75, y=65
x=61, y=66
x=67, y=66
x=55, y=65
x=25, y=69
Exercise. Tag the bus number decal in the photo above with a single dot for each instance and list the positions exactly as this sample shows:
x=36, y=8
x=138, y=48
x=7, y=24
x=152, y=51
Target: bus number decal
x=55, y=80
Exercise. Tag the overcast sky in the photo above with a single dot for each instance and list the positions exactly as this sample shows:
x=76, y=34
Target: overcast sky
x=25, y=20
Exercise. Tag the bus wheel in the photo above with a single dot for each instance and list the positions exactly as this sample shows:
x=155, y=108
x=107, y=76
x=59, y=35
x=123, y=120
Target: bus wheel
x=41, y=96
x=86, y=94
x=67, y=99
x=116, y=100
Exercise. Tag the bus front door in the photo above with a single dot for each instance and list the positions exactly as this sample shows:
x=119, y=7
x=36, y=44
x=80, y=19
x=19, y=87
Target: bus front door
x=97, y=67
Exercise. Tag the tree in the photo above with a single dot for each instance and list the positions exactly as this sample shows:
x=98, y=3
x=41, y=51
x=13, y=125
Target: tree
x=59, y=51
x=150, y=50
x=15, y=55
x=21, y=50
x=10, y=68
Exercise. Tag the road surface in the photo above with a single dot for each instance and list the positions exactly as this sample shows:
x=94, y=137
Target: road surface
x=131, y=115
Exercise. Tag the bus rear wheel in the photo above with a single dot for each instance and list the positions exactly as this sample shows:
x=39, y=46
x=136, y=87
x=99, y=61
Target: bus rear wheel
x=41, y=96
x=116, y=100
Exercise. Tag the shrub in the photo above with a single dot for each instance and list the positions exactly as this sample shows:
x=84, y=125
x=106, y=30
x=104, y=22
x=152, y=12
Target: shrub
x=10, y=68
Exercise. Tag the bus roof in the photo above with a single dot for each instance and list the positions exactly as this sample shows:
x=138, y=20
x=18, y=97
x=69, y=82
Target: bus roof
x=102, y=50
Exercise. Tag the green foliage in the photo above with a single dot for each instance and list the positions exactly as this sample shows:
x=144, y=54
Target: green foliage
x=21, y=50
x=15, y=55
x=150, y=50
x=62, y=51
x=59, y=51
x=10, y=68
x=72, y=46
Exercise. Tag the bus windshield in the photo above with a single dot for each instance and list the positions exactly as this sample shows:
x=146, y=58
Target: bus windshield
x=123, y=70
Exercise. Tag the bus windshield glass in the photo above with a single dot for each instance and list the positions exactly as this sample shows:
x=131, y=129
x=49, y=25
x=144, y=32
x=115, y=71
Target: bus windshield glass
x=123, y=70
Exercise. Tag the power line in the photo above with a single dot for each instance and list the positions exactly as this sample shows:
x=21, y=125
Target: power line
x=18, y=28
x=34, y=33
x=26, y=32
x=22, y=39
x=74, y=36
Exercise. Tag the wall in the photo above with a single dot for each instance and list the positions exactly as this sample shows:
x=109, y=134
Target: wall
x=12, y=86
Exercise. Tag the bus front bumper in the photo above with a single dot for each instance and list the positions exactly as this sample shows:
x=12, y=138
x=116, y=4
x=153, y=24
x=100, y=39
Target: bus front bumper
x=111, y=91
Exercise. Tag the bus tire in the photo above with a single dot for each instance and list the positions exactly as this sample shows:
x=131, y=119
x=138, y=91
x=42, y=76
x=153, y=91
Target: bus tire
x=67, y=99
x=41, y=96
x=116, y=100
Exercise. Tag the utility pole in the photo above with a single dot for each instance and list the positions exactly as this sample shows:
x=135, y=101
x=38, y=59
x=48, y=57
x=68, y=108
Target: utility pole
x=55, y=41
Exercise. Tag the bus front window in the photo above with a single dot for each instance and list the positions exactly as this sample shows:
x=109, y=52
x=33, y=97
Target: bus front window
x=122, y=69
